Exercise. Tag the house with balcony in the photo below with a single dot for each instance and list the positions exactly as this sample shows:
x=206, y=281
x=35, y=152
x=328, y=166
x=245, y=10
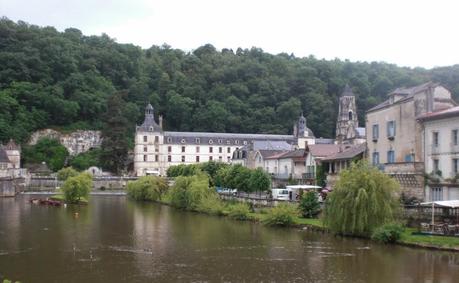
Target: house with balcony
x=441, y=151
x=315, y=153
x=395, y=135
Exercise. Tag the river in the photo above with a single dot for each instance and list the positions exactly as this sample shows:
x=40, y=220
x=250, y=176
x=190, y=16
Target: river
x=114, y=239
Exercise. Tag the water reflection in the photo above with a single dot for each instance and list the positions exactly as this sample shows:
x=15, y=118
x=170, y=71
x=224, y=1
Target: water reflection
x=116, y=240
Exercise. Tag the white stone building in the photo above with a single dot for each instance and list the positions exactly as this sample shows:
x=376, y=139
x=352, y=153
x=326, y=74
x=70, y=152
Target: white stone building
x=441, y=154
x=155, y=150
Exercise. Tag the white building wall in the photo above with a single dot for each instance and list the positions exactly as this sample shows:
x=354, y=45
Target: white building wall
x=445, y=152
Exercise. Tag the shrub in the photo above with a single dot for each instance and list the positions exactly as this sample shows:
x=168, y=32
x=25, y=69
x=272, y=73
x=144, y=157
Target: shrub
x=309, y=205
x=211, y=204
x=388, y=233
x=50, y=151
x=188, y=192
x=281, y=215
x=77, y=187
x=65, y=173
x=363, y=199
x=239, y=211
x=147, y=188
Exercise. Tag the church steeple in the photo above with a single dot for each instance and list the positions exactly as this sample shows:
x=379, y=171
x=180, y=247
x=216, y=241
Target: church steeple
x=347, y=124
x=149, y=124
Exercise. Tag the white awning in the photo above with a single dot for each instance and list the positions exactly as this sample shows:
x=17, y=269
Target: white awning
x=443, y=203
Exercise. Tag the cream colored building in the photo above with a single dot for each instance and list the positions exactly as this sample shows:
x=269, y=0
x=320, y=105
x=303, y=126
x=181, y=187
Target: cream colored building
x=395, y=137
x=155, y=150
x=441, y=135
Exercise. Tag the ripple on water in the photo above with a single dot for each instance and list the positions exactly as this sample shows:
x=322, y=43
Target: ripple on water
x=130, y=250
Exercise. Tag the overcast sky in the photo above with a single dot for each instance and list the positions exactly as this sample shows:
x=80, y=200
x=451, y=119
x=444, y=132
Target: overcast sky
x=404, y=32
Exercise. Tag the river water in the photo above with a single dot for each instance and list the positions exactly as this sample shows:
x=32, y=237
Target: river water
x=116, y=240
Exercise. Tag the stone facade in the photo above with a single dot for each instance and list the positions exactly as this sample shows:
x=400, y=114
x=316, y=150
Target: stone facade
x=347, y=126
x=76, y=142
x=394, y=136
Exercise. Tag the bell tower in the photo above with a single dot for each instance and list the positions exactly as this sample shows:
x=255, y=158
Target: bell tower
x=347, y=124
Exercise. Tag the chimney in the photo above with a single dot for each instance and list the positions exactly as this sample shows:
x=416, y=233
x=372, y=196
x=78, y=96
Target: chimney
x=160, y=118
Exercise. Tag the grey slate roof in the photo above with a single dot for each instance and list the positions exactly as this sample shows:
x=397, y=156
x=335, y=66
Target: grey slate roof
x=222, y=138
x=407, y=92
x=298, y=153
x=347, y=91
x=269, y=153
x=3, y=156
x=149, y=124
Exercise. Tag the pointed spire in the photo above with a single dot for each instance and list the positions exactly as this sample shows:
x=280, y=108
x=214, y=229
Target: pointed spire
x=347, y=91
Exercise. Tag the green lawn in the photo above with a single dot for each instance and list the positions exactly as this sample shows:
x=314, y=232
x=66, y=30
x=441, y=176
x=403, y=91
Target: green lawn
x=437, y=241
x=61, y=198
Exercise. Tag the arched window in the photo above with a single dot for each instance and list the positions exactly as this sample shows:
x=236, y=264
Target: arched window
x=350, y=115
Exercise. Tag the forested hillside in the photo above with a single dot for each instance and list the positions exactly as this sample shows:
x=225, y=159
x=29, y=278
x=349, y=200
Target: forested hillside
x=63, y=79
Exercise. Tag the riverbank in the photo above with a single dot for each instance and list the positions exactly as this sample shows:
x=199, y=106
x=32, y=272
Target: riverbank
x=409, y=239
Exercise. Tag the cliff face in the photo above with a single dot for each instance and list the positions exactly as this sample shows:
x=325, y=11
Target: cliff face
x=75, y=142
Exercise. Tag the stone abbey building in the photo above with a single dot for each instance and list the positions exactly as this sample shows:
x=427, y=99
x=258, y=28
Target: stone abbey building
x=155, y=150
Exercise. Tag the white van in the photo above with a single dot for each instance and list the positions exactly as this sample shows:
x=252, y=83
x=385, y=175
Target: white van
x=281, y=194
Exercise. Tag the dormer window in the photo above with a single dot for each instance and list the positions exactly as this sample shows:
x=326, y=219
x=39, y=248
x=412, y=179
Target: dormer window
x=391, y=99
x=198, y=140
x=183, y=141
x=169, y=140
x=151, y=129
x=211, y=141
x=245, y=142
x=220, y=141
x=228, y=142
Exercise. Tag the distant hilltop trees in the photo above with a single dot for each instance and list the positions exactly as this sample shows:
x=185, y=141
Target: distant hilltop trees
x=63, y=80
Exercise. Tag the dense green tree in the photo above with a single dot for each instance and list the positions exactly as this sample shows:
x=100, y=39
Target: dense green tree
x=115, y=141
x=65, y=173
x=309, y=205
x=86, y=159
x=77, y=187
x=64, y=79
x=363, y=199
x=46, y=150
x=147, y=188
x=259, y=181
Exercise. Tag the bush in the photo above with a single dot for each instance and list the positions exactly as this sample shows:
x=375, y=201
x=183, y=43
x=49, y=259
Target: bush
x=86, y=159
x=147, y=188
x=363, y=199
x=281, y=215
x=188, y=192
x=66, y=173
x=388, y=233
x=211, y=204
x=239, y=211
x=309, y=205
x=77, y=187
x=46, y=150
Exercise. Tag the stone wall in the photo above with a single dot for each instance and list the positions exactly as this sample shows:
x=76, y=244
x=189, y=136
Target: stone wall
x=7, y=188
x=37, y=183
x=75, y=142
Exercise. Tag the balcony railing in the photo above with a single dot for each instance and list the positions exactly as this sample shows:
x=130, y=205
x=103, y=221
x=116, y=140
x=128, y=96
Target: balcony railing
x=309, y=175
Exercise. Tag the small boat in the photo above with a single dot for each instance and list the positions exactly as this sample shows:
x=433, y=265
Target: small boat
x=46, y=201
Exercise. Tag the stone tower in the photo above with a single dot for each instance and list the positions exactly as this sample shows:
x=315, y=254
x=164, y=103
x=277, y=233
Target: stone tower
x=347, y=124
x=303, y=134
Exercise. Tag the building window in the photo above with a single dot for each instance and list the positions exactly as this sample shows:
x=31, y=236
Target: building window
x=197, y=158
x=197, y=149
x=183, y=158
x=220, y=141
x=169, y=158
x=436, y=166
x=391, y=129
x=169, y=149
x=350, y=115
x=375, y=132
x=183, y=149
x=169, y=140
x=220, y=158
x=183, y=141
x=375, y=158
x=454, y=137
x=437, y=193
x=228, y=150
x=211, y=141
x=145, y=139
x=390, y=156
x=455, y=166
x=156, y=158
x=198, y=140
x=220, y=149
x=145, y=149
x=145, y=158
x=211, y=149
x=435, y=139
x=156, y=139
x=228, y=159
x=210, y=158
x=156, y=149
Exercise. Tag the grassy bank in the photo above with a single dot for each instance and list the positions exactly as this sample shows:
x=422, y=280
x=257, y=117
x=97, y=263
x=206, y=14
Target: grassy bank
x=60, y=197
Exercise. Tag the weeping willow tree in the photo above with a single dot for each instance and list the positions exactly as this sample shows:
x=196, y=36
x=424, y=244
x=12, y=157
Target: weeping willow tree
x=363, y=199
